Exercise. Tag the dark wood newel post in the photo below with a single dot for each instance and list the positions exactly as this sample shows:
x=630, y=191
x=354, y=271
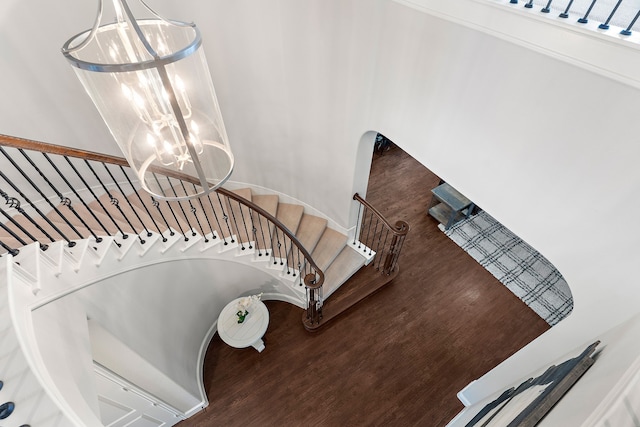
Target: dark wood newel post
x=389, y=259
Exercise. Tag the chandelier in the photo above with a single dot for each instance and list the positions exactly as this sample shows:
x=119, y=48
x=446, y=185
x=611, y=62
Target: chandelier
x=150, y=82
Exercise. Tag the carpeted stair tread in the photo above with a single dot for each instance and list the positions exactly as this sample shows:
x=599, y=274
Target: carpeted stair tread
x=268, y=202
x=26, y=224
x=33, y=230
x=290, y=215
x=244, y=192
x=121, y=212
x=310, y=231
x=160, y=214
x=240, y=213
x=86, y=216
x=10, y=242
x=341, y=269
x=328, y=248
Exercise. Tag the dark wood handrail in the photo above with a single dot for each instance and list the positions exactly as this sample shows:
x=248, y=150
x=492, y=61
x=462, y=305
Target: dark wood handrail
x=43, y=147
x=28, y=144
x=316, y=283
x=401, y=228
x=310, y=280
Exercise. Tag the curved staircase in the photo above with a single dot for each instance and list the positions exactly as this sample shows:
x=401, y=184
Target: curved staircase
x=98, y=229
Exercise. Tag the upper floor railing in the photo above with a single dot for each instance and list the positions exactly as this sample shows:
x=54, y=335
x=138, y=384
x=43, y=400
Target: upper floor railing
x=610, y=15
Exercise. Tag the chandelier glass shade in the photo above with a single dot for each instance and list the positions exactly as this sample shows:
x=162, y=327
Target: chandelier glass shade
x=150, y=82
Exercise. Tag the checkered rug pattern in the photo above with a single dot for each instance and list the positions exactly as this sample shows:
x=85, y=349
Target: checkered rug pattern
x=517, y=265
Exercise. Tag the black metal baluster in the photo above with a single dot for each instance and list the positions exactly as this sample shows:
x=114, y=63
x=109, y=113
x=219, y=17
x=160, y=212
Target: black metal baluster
x=23, y=212
x=193, y=211
x=627, y=31
x=13, y=234
x=144, y=205
x=99, y=239
x=215, y=215
x=299, y=264
x=396, y=255
x=379, y=236
x=235, y=222
x=546, y=8
x=379, y=255
x=86, y=185
x=114, y=201
x=186, y=238
x=367, y=242
x=11, y=251
x=287, y=252
x=204, y=212
x=226, y=218
x=26, y=176
x=156, y=203
x=254, y=230
x=565, y=14
x=24, y=230
x=64, y=200
x=244, y=222
x=529, y=5
x=264, y=241
x=184, y=214
x=279, y=246
x=605, y=24
x=358, y=224
x=372, y=242
x=149, y=234
x=585, y=18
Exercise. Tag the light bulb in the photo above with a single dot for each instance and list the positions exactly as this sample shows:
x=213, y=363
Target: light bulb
x=126, y=91
x=168, y=147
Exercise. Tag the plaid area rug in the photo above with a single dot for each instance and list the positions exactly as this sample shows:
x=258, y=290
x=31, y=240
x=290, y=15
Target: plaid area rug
x=517, y=265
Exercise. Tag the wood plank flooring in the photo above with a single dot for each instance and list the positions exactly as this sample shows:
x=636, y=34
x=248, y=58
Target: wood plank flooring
x=399, y=357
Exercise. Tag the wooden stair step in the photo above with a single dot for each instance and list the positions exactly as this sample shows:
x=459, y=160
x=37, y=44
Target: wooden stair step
x=362, y=284
x=328, y=248
x=341, y=269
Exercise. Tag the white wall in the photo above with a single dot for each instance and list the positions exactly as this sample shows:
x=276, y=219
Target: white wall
x=541, y=144
x=63, y=340
x=164, y=311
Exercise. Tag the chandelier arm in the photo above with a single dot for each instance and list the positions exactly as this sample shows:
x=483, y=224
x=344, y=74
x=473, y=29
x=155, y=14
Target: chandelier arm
x=162, y=18
x=136, y=27
x=90, y=36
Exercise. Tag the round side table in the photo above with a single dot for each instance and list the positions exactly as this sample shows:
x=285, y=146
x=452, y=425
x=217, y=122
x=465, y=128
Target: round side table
x=247, y=333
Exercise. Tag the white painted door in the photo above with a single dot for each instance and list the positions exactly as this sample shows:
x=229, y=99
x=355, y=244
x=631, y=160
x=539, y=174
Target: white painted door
x=122, y=405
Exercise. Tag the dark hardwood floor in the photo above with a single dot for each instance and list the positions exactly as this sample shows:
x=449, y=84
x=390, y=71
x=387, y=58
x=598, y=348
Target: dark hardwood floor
x=399, y=357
